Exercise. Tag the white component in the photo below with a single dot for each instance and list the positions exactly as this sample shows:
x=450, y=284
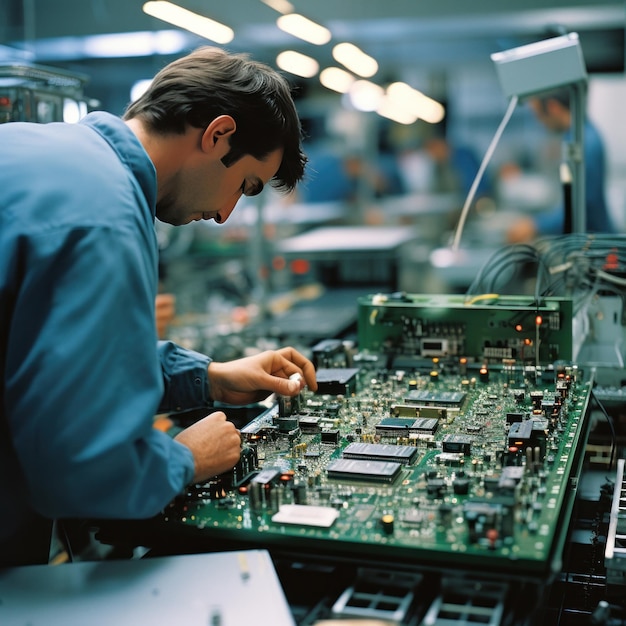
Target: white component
x=305, y=515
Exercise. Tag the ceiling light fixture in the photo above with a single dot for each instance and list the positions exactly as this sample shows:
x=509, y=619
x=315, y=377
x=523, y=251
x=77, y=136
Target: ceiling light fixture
x=282, y=6
x=396, y=111
x=366, y=95
x=421, y=105
x=297, y=63
x=304, y=28
x=336, y=79
x=355, y=59
x=198, y=24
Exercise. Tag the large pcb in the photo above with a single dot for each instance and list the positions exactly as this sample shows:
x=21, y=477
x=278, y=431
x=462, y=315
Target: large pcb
x=451, y=466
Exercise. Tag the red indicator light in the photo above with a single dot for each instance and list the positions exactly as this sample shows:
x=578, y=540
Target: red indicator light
x=300, y=266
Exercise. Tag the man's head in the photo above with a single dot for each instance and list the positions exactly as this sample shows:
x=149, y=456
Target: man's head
x=209, y=83
x=552, y=109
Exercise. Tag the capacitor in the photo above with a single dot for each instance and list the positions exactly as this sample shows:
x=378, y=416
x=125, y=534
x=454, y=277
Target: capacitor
x=386, y=522
x=463, y=366
x=255, y=496
x=530, y=466
x=484, y=374
x=299, y=492
x=290, y=405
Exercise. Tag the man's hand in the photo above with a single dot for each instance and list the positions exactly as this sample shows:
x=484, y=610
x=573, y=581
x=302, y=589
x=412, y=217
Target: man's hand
x=165, y=311
x=215, y=444
x=253, y=378
x=522, y=230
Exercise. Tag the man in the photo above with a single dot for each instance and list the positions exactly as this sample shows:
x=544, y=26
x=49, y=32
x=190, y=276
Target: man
x=553, y=111
x=81, y=372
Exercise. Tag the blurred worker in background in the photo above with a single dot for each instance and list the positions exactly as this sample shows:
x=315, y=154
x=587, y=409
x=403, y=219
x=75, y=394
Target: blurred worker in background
x=553, y=110
x=82, y=375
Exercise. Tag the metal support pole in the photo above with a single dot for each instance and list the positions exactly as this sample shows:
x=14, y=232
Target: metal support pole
x=575, y=157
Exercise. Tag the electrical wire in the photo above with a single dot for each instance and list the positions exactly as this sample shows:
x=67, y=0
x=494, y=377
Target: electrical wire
x=481, y=170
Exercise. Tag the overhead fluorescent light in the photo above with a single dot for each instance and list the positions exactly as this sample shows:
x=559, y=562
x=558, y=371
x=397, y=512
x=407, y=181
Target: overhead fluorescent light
x=396, y=111
x=355, y=59
x=336, y=79
x=421, y=105
x=136, y=44
x=297, y=63
x=139, y=87
x=198, y=24
x=282, y=6
x=366, y=95
x=304, y=28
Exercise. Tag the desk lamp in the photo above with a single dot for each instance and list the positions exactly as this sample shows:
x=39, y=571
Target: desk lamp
x=540, y=67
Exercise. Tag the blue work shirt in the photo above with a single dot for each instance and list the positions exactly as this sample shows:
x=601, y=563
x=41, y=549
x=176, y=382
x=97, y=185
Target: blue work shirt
x=81, y=372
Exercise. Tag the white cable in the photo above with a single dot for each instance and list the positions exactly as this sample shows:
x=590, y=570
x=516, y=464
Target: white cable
x=481, y=170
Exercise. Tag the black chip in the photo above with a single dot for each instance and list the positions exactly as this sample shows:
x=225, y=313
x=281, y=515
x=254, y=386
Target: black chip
x=371, y=471
x=436, y=398
x=381, y=452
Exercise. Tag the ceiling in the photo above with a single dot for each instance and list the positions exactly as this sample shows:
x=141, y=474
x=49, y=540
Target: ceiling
x=401, y=34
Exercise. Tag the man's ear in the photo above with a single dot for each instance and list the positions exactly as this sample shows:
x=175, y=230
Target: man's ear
x=217, y=133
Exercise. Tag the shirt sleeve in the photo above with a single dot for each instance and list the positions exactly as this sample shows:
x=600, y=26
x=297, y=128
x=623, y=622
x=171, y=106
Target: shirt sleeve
x=84, y=378
x=185, y=378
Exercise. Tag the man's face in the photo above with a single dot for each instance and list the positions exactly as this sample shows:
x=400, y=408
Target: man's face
x=550, y=113
x=204, y=188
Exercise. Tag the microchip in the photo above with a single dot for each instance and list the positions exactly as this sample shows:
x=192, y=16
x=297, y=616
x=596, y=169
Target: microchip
x=407, y=425
x=426, y=425
x=457, y=443
x=336, y=381
x=381, y=452
x=396, y=423
x=330, y=436
x=520, y=433
x=309, y=424
x=267, y=476
x=370, y=471
x=436, y=398
x=514, y=417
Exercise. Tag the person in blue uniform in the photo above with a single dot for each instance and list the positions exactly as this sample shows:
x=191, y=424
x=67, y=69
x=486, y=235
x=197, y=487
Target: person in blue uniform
x=553, y=111
x=82, y=374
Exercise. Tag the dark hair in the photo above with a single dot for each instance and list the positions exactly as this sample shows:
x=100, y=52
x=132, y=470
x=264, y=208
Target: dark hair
x=210, y=82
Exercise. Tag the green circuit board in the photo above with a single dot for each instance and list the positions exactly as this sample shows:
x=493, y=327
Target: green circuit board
x=485, y=329
x=451, y=466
